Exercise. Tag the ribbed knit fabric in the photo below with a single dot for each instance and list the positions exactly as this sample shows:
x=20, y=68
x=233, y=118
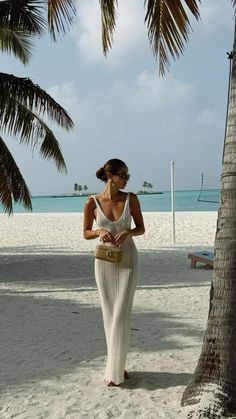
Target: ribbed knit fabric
x=116, y=285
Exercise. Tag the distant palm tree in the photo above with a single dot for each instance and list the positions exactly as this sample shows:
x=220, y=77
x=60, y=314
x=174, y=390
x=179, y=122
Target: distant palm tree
x=149, y=185
x=76, y=187
x=145, y=185
x=23, y=104
x=85, y=188
x=80, y=188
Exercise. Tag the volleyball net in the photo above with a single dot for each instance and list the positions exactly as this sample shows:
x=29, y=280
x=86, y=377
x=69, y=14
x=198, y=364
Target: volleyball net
x=210, y=189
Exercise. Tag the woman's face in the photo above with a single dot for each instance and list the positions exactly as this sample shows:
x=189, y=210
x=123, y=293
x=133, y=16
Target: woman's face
x=121, y=177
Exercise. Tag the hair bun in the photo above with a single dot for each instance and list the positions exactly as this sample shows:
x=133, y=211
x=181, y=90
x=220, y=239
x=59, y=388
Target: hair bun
x=100, y=173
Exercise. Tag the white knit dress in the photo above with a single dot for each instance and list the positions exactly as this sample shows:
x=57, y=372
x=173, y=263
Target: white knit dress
x=116, y=285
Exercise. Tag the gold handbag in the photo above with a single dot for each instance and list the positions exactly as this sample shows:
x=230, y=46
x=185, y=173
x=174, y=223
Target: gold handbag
x=108, y=253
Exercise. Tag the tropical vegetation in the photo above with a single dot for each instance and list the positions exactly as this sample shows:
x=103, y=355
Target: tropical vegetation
x=76, y=187
x=80, y=188
x=147, y=185
x=24, y=106
x=212, y=390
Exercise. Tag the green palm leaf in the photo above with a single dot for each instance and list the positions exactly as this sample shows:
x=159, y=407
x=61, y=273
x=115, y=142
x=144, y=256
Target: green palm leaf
x=12, y=184
x=26, y=15
x=168, y=27
x=23, y=104
x=108, y=18
x=17, y=120
x=13, y=41
x=50, y=149
x=60, y=16
x=30, y=95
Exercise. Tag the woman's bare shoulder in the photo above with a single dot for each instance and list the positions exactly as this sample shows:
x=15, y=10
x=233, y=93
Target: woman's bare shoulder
x=133, y=197
x=134, y=201
x=90, y=202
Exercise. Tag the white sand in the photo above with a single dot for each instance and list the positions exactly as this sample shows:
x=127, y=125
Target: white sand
x=52, y=348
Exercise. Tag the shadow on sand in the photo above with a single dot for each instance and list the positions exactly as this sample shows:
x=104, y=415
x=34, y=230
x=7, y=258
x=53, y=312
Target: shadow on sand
x=151, y=381
x=44, y=335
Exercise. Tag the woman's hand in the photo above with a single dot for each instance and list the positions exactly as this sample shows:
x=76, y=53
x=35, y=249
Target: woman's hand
x=106, y=236
x=120, y=237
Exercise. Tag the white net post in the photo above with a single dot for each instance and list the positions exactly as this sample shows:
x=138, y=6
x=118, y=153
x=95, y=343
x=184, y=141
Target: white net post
x=172, y=177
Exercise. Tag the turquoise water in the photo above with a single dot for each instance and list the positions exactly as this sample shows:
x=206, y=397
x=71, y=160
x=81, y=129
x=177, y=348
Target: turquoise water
x=184, y=201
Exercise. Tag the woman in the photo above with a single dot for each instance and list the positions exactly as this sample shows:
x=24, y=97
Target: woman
x=113, y=210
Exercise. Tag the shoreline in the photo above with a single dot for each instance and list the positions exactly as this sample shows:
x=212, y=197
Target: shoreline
x=81, y=212
x=137, y=193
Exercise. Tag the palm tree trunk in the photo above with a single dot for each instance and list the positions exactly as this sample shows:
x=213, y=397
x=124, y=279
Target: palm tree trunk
x=212, y=391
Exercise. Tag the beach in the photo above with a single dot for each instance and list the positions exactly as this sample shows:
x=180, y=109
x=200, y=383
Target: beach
x=53, y=352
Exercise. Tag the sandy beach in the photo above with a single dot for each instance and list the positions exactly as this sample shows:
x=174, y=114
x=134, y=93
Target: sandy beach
x=52, y=350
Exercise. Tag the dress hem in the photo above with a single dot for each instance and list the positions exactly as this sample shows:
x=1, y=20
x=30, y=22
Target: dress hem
x=116, y=382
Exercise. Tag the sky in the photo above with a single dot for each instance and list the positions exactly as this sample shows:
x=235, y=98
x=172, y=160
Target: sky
x=123, y=108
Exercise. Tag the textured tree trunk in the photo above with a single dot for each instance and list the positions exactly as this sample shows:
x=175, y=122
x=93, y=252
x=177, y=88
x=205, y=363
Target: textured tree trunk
x=212, y=391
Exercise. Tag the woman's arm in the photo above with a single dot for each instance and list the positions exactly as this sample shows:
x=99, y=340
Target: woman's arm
x=136, y=213
x=139, y=228
x=89, y=208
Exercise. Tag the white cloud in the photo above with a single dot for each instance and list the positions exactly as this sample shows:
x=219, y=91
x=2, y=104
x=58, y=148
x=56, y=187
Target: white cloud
x=144, y=94
x=87, y=32
x=151, y=92
x=129, y=36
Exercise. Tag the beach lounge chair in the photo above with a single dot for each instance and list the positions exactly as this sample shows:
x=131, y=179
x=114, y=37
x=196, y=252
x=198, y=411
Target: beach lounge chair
x=203, y=256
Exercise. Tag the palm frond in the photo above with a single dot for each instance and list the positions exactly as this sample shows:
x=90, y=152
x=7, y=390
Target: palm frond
x=17, y=120
x=60, y=16
x=26, y=15
x=13, y=41
x=50, y=149
x=30, y=95
x=108, y=19
x=12, y=184
x=168, y=27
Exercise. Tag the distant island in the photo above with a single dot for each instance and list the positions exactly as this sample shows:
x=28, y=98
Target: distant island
x=148, y=189
x=72, y=195
x=84, y=195
x=81, y=191
x=148, y=193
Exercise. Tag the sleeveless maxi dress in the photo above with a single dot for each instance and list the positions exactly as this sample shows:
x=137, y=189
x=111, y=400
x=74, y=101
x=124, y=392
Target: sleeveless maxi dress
x=116, y=286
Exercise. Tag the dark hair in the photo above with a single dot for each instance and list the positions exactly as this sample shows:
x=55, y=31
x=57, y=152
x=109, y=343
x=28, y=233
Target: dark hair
x=111, y=166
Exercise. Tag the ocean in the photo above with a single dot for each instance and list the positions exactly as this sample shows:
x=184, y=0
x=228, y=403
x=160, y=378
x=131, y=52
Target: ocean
x=184, y=201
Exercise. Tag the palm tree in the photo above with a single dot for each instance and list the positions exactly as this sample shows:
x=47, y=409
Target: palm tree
x=149, y=186
x=145, y=185
x=80, y=188
x=85, y=188
x=23, y=104
x=76, y=187
x=212, y=390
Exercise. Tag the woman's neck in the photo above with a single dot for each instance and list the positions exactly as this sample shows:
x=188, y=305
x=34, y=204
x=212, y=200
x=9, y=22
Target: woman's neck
x=110, y=192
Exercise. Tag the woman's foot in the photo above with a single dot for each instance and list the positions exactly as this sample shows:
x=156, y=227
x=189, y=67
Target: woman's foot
x=111, y=384
x=126, y=375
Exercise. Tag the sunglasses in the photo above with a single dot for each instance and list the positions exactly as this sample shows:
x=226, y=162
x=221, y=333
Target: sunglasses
x=124, y=175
